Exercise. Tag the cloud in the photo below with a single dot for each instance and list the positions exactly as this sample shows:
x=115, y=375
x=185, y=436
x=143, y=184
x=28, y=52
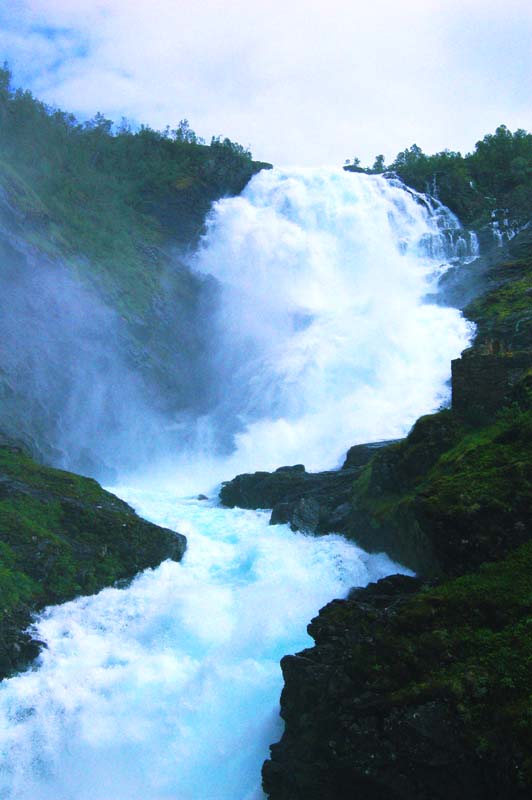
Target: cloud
x=305, y=82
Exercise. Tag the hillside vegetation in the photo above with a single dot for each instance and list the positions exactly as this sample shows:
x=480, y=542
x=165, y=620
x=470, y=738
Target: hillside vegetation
x=61, y=536
x=96, y=222
x=107, y=197
x=493, y=183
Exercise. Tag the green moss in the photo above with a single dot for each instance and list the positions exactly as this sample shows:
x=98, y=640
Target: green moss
x=466, y=643
x=16, y=588
x=512, y=297
x=471, y=502
x=503, y=315
x=481, y=490
x=62, y=535
x=18, y=465
x=471, y=641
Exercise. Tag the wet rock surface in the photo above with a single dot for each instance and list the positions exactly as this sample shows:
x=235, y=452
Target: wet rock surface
x=312, y=502
x=367, y=715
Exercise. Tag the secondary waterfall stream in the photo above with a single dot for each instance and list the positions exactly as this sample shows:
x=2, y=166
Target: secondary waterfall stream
x=168, y=689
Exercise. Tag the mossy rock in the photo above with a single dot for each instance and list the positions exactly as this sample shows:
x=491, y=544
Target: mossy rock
x=413, y=692
x=472, y=504
x=504, y=316
x=62, y=535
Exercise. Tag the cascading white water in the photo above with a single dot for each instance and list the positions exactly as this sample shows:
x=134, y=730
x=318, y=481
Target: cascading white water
x=324, y=335
x=168, y=689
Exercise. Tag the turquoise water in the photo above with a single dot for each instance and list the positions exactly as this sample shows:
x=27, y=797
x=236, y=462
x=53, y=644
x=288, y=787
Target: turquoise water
x=169, y=689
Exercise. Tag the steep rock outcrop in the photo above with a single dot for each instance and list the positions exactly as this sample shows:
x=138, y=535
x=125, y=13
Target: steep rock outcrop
x=425, y=692
x=484, y=382
x=412, y=694
x=314, y=502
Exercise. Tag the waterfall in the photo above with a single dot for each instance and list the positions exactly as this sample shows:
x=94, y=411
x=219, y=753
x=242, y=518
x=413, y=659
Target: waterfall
x=323, y=336
x=315, y=311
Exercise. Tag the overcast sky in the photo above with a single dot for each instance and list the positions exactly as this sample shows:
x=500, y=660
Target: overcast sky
x=305, y=82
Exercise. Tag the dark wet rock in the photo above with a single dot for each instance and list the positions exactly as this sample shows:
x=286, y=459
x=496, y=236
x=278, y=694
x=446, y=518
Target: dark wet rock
x=361, y=454
x=314, y=502
x=388, y=704
x=447, y=501
x=463, y=283
x=302, y=515
x=263, y=489
x=483, y=382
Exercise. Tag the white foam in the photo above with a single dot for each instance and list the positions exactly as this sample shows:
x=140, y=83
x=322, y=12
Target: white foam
x=170, y=688
x=325, y=336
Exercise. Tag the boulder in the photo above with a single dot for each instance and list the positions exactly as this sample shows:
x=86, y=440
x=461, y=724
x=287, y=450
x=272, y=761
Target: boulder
x=313, y=502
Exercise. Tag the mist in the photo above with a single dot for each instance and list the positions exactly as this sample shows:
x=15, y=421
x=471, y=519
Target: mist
x=308, y=305
x=324, y=313
x=81, y=386
x=310, y=328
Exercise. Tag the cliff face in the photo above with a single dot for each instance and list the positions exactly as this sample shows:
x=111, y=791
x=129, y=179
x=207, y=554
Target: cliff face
x=412, y=693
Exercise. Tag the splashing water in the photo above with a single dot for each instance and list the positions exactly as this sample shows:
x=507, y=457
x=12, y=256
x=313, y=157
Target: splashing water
x=324, y=334
x=320, y=278
x=168, y=689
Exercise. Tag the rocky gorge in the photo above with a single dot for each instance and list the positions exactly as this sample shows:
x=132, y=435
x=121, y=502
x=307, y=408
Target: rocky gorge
x=416, y=687
x=420, y=687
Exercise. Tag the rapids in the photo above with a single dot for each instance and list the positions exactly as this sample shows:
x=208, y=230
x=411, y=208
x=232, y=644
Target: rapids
x=323, y=337
x=169, y=689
